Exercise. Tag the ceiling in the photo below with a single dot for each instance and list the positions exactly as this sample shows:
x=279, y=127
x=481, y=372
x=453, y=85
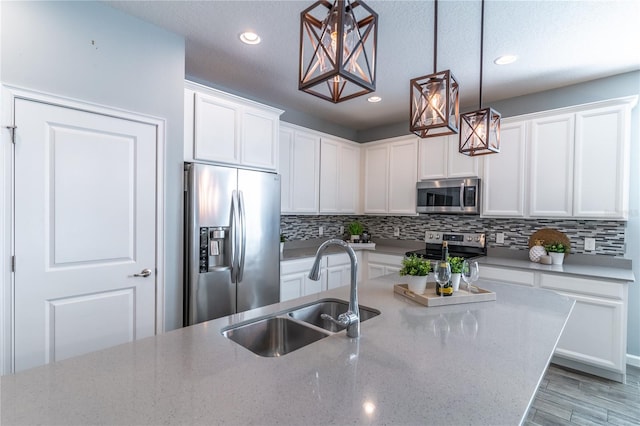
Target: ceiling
x=558, y=43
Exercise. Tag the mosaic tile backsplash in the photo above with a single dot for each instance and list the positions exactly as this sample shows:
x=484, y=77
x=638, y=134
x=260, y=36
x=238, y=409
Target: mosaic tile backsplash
x=609, y=235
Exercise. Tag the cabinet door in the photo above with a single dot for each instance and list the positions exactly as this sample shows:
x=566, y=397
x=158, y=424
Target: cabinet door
x=306, y=173
x=216, y=130
x=551, y=166
x=329, y=176
x=503, y=178
x=291, y=286
x=375, y=270
x=433, y=157
x=312, y=287
x=460, y=165
x=376, y=178
x=285, y=168
x=338, y=276
x=259, y=139
x=403, y=175
x=601, y=172
x=348, y=179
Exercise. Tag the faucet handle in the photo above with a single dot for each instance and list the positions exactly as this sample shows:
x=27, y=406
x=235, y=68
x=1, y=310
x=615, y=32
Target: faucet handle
x=344, y=320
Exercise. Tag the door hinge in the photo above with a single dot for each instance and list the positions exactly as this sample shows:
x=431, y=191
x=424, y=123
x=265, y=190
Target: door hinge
x=13, y=263
x=12, y=129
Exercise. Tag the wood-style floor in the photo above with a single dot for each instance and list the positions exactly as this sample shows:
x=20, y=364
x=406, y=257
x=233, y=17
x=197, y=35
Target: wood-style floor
x=568, y=397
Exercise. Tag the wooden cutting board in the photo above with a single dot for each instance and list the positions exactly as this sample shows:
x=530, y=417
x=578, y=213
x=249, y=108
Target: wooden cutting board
x=548, y=236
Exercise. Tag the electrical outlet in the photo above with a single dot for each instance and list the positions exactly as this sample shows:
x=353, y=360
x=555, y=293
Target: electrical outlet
x=321, y=231
x=396, y=232
x=589, y=243
x=500, y=238
x=341, y=230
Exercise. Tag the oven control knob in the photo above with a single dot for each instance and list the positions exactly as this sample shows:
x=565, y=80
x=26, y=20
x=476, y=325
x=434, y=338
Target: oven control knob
x=437, y=236
x=478, y=238
x=469, y=238
x=431, y=236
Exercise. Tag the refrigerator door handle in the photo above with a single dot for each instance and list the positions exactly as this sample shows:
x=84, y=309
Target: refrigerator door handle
x=243, y=235
x=234, y=235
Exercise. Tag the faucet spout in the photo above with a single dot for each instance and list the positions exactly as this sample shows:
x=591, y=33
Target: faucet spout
x=351, y=318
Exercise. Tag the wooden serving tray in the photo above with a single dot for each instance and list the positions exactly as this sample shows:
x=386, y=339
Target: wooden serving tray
x=430, y=298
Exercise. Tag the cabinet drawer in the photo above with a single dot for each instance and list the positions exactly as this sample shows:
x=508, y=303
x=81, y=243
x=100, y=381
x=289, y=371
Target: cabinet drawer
x=602, y=288
x=388, y=259
x=297, y=265
x=507, y=275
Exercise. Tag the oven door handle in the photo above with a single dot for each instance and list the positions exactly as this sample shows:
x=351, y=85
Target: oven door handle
x=462, y=196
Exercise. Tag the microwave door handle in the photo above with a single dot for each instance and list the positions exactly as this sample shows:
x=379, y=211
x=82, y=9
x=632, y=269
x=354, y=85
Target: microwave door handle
x=462, y=196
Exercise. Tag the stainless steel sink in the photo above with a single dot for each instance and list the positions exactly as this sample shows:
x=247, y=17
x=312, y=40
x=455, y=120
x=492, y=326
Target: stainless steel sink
x=312, y=313
x=275, y=336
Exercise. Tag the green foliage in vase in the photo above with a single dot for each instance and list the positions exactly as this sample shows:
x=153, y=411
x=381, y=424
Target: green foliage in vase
x=355, y=228
x=414, y=265
x=456, y=264
x=557, y=247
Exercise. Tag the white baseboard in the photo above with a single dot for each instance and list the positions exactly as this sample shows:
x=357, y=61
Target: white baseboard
x=633, y=360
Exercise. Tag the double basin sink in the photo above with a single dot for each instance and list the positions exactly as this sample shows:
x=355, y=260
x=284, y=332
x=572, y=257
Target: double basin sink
x=285, y=332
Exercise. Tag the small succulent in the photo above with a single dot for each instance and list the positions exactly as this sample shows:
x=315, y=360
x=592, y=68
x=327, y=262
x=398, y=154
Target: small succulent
x=456, y=264
x=557, y=247
x=416, y=266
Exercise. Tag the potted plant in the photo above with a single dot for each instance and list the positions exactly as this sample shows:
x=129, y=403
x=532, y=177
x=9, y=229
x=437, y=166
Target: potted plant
x=557, y=251
x=416, y=269
x=456, y=271
x=355, y=229
x=282, y=239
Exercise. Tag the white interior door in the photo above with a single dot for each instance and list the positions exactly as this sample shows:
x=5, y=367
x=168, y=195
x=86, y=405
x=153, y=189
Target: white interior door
x=85, y=213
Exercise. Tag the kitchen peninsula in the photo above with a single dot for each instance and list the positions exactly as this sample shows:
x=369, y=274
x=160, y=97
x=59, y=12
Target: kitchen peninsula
x=477, y=363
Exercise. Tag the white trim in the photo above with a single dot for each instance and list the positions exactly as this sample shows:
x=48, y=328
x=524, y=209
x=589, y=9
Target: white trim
x=633, y=360
x=8, y=94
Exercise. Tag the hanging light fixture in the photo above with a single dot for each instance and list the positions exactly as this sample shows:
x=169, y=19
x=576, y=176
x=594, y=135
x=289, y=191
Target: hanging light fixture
x=338, y=49
x=480, y=130
x=434, y=109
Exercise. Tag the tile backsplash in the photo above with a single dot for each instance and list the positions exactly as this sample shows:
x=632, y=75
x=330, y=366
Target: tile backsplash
x=609, y=235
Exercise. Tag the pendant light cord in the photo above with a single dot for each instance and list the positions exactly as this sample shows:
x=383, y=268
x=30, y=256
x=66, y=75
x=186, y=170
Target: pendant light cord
x=481, y=51
x=435, y=36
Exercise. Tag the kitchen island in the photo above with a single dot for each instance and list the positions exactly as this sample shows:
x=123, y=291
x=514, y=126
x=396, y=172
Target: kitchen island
x=477, y=363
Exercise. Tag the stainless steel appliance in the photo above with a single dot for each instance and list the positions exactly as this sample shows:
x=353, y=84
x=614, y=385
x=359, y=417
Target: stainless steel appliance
x=453, y=196
x=462, y=245
x=232, y=238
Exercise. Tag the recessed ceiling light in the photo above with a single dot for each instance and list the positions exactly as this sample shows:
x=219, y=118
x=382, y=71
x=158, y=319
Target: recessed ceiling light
x=505, y=59
x=249, y=37
x=374, y=99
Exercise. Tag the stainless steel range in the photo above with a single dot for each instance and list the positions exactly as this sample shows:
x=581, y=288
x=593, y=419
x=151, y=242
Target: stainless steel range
x=467, y=246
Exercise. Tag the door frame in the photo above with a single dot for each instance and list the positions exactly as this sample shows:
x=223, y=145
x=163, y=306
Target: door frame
x=8, y=95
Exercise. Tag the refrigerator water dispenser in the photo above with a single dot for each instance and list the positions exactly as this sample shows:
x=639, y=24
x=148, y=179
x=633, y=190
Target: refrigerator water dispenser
x=213, y=249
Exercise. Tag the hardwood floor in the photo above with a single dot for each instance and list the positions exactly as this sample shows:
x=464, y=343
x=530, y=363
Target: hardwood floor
x=568, y=397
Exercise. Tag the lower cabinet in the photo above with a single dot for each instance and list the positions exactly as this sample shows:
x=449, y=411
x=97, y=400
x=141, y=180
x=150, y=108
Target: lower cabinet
x=379, y=264
x=339, y=269
x=295, y=281
x=595, y=337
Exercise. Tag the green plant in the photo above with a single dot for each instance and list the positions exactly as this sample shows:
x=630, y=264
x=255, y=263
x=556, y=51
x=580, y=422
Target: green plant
x=414, y=265
x=355, y=228
x=282, y=238
x=557, y=247
x=456, y=264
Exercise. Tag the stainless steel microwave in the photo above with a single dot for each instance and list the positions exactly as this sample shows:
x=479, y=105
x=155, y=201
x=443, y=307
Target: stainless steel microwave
x=451, y=196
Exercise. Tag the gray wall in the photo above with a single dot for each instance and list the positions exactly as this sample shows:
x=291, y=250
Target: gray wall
x=91, y=52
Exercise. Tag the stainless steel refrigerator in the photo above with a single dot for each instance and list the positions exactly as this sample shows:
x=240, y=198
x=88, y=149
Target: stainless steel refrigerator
x=232, y=241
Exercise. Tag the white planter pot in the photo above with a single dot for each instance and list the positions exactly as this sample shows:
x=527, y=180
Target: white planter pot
x=455, y=281
x=355, y=238
x=557, y=258
x=417, y=284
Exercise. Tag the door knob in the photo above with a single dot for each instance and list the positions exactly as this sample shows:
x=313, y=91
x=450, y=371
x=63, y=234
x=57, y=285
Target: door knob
x=143, y=273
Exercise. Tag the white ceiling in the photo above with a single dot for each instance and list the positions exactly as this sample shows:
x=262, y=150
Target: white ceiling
x=558, y=43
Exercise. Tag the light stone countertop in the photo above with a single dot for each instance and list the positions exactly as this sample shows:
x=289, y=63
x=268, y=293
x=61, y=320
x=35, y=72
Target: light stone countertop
x=478, y=363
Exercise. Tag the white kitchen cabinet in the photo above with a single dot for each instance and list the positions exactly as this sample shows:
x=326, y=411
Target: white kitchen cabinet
x=299, y=167
x=503, y=177
x=379, y=264
x=226, y=129
x=596, y=331
x=295, y=281
x=601, y=172
x=439, y=158
x=390, y=176
x=551, y=166
x=513, y=276
x=339, y=269
x=339, y=176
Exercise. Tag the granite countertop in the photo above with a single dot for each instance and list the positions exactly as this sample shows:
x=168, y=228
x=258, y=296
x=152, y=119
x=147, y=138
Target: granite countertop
x=590, y=266
x=478, y=363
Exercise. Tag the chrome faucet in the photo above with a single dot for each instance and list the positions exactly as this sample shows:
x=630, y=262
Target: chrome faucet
x=351, y=318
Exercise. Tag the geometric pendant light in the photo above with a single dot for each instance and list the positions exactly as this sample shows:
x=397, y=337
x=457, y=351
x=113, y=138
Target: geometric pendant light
x=480, y=130
x=338, y=43
x=434, y=98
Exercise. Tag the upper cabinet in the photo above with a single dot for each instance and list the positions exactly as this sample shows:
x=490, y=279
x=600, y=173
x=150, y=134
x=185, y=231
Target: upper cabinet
x=225, y=129
x=439, y=159
x=570, y=163
x=299, y=168
x=390, y=176
x=503, y=177
x=339, y=176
